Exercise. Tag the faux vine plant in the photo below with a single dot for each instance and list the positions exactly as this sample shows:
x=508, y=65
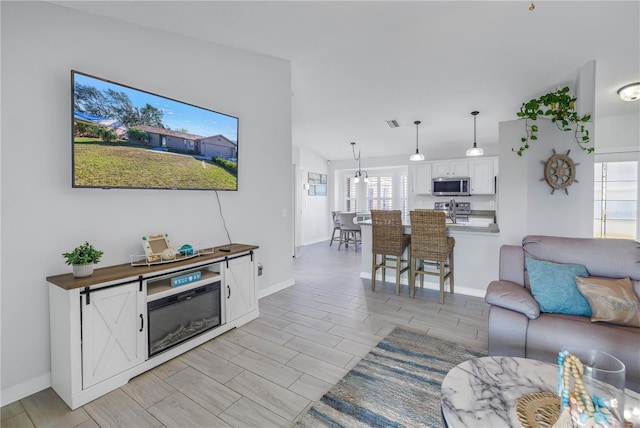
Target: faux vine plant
x=559, y=106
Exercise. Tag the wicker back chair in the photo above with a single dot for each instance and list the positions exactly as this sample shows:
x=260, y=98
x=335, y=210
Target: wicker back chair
x=336, y=227
x=430, y=247
x=388, y=245
x=349, y=230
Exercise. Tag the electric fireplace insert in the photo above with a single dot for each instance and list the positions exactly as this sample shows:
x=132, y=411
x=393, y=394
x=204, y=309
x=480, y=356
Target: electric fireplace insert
x=181, y=316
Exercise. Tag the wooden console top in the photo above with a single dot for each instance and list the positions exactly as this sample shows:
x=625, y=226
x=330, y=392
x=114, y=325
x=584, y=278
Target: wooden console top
x=121, y=272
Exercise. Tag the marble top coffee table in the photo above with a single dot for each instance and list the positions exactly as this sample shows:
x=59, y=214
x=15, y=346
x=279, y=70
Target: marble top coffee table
x=484, y=392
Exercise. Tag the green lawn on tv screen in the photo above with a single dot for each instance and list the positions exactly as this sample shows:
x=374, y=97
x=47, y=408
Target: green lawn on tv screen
x=118, y=165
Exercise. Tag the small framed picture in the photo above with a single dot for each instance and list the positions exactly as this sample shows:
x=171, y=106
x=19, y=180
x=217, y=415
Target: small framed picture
x=315, y=178
x=155, y=245
x=321, y=189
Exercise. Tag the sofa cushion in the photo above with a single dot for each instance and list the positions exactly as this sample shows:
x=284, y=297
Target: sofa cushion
x=611, y=300
x=553, y=285
x=609, y=258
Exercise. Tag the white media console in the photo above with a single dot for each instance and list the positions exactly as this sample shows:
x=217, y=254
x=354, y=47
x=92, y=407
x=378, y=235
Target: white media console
x=124, y=320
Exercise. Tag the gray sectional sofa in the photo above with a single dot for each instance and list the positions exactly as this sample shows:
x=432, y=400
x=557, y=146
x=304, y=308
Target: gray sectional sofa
x=518, y=327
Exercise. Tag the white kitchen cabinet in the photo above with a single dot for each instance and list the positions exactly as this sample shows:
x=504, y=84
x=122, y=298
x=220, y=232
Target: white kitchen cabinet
x=481, y=173
x=240, y=290
x=422, y=182
x=113, y=331
x=450, y=168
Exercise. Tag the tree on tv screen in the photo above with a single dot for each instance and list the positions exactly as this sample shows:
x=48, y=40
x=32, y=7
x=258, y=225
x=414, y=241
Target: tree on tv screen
x=115, y=105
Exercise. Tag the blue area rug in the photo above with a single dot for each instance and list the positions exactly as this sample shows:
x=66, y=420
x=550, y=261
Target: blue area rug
x=396, y=385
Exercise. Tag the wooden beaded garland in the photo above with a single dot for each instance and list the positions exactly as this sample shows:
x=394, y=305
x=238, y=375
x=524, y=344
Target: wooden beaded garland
x=584, y=409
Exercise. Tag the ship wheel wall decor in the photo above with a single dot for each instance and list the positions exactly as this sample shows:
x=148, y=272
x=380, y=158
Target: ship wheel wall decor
x=559, y=171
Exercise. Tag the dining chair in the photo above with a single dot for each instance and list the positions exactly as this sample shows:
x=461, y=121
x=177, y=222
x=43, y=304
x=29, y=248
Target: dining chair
x=430, y=248
x=349, y=230
x=336, y=227
x=388, y=245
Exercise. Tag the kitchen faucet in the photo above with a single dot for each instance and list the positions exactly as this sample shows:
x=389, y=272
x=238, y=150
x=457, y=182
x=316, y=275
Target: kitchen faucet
x=452, y=210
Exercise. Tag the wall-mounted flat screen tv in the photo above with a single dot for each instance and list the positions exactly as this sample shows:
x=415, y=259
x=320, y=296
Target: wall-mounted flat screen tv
x=127, y=138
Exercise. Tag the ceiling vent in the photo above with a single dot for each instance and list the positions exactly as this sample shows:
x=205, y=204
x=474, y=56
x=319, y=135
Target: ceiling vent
x=393, y=123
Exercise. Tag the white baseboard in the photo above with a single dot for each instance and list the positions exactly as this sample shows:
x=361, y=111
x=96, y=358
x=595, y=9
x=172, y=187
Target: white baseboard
x=467, y=291
x=275, y=288
x=25, y=389
x=315, y=241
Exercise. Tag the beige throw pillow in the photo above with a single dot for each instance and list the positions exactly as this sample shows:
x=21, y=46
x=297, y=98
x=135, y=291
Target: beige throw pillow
x=611, y=300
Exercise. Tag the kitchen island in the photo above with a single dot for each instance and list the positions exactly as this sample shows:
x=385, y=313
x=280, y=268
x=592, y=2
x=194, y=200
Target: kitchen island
x=475, y=256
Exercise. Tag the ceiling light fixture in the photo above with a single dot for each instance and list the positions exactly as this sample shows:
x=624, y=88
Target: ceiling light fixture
x=532, y=6
x=475, y=150
x=359, y=172
x=630, y=92
x=417, y=156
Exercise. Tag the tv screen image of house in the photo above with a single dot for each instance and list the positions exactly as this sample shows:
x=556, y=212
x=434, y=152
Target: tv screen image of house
x=128, y=138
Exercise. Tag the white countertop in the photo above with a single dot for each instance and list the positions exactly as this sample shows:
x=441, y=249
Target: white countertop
x=474, y=224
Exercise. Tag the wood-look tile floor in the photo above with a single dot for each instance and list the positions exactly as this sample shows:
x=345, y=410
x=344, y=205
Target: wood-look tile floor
x=265, y=373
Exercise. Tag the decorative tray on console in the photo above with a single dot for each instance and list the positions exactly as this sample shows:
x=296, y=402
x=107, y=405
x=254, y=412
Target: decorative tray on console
x=158, y=250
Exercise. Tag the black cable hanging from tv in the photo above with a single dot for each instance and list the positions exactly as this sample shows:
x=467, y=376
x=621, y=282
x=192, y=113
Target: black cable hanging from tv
x=224, y=223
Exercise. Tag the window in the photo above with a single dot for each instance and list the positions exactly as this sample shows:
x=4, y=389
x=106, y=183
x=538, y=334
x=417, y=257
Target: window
x=404, y=193
x=351, y=193
x=380, y=193
x=615, y=199
x=383, y=189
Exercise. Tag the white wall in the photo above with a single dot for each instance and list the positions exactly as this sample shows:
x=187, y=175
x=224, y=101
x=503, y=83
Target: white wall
x=314, y=212
x=42, y=216
x=618, y=134
x=526, y=205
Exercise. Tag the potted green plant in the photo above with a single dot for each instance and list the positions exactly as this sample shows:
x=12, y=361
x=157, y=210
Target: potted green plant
x=559, y=106
x=82, y=259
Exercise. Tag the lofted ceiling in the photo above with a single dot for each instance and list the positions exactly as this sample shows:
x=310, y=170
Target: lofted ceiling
x=357, y=64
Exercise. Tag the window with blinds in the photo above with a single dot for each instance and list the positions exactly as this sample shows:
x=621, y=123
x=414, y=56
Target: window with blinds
x=404, y=194
x=383, y=189
x=351, y=193
x=615, y=199
x=380, y=193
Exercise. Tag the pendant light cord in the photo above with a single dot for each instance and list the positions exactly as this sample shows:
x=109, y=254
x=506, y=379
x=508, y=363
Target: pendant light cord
x=475, y=115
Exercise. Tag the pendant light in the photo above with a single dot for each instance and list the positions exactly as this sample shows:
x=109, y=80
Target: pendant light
x=417, y=156
x=359, y=172
x=475, y=150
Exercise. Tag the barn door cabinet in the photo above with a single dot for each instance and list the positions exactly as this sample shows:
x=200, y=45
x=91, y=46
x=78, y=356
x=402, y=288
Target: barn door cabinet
x=240, y=293
x=99, y=324
x=113, y=338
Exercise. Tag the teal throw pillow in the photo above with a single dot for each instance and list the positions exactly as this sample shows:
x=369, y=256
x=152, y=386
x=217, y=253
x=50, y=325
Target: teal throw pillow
x=553, y=285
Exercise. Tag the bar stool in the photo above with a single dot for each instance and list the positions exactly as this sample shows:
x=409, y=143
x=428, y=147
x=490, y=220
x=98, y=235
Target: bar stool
x=349, y=230
x=388, y=245
x=430, y=247
x=336, y=227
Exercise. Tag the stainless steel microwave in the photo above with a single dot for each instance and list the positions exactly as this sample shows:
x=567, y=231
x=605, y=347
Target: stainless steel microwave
x=451, y=186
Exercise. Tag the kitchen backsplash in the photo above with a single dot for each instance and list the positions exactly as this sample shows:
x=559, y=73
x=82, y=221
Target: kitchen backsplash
x=478, y=202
